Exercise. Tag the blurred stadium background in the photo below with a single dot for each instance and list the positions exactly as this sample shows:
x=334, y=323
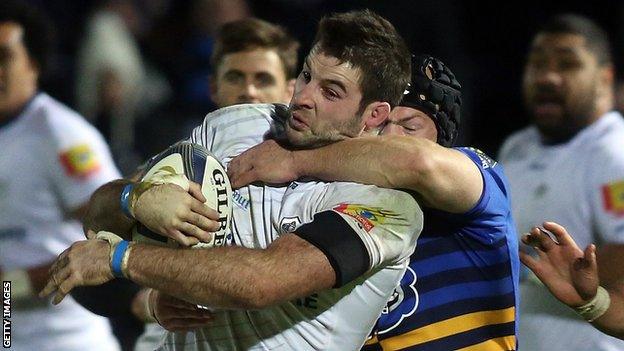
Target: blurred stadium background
x=169, y=44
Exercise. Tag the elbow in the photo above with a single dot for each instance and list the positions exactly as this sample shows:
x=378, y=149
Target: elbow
x=419, y=168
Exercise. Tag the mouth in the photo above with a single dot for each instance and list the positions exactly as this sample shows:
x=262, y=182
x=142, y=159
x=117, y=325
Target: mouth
x=296, y=122
x=548, y=105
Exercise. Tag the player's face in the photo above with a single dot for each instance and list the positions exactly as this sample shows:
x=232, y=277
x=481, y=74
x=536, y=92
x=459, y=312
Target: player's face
x=325, y=105
x=561, y=84
x=18, y=76
x=253, y=76
x=410, y=122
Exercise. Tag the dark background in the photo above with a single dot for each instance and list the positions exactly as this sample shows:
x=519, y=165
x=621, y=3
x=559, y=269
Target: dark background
x=484, y=43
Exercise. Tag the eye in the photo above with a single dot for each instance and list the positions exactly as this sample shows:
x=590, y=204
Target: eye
x=330, y=94
x=306, y=76
x=265, y=79
x=234, y=77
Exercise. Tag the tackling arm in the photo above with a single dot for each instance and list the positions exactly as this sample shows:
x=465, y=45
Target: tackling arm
x=234, y=277
x=443, y=178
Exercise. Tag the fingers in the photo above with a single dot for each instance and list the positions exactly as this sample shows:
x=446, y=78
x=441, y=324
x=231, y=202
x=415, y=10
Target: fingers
x=65, y=288
x=195, y=190
x=182, y=239
x=244, y=178
x=539, y=239
x=560, y=233
x=193, y=231
x=201, y=209
x=530, y=261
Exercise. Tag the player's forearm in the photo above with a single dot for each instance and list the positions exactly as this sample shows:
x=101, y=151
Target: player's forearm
x=380, y=161
x=443, y=178
x=232, y=277
x=611, y=270
x=104, y=212
x=612, y=322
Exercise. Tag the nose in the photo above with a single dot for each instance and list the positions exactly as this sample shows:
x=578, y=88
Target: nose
x=250, y=90
x=548, y=74
x=302, y=96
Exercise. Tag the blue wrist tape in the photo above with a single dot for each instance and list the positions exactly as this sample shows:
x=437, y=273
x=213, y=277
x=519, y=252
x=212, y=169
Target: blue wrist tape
x=125, y=200
x=118, y=255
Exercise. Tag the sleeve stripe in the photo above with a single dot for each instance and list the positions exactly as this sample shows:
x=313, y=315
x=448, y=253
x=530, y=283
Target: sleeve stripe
x=340, y=243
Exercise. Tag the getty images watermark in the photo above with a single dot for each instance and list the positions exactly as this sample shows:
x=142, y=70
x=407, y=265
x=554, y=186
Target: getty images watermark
x=6, y=314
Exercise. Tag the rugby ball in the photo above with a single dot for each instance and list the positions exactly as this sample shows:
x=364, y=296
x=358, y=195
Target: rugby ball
x=200, y=166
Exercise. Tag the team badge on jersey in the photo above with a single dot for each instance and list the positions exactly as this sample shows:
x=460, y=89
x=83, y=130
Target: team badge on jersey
x=401, y=305
x=79, y=161
x=289, y=224
x=613, y=197
x=366, y=216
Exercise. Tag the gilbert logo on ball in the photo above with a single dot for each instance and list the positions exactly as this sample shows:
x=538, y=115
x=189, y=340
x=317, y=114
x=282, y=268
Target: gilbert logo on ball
x=200, y=166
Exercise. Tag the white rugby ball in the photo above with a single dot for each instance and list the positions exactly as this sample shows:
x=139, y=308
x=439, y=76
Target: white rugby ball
x=199, y=166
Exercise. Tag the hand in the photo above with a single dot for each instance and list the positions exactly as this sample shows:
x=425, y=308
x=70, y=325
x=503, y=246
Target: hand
x=84, y=263
x=570, y=274
x=176, y=315
x=173, y=212
x=267, y=162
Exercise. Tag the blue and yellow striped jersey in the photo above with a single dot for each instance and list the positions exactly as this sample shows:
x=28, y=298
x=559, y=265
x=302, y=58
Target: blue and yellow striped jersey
x=460, y=291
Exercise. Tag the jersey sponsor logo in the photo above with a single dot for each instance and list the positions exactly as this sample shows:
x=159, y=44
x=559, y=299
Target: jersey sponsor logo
x=289, y=224
x=79, y=161
x=613, y=197
x=402, y=304
x=240, y=200
x=367, y=216
x=486, y=161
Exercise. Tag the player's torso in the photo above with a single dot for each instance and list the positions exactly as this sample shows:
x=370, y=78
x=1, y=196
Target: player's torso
x=548, y=183
x=31, y=213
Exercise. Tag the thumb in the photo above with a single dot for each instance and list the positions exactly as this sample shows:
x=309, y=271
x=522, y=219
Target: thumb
x=585, y=273
x=244, y=178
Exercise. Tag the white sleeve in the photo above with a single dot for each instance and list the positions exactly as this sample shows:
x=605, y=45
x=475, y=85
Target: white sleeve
x=386, y=221
x=81, y=162
x=229, y=131
x=606, y=193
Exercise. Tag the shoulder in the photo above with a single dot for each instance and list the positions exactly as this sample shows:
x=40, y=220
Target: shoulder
x=61, y=123
x=515, y=144
x=233, y=116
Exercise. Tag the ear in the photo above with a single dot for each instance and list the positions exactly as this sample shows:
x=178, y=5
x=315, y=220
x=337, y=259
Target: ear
x=375, y=115
x=607, y=76
x=213, y=86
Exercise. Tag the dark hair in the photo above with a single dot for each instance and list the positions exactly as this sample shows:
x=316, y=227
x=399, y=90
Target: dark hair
x=251, y=33
x=372, y=44
x=596, y=39
x=36, y=26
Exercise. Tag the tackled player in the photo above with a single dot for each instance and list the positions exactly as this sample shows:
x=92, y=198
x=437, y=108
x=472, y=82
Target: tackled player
x=339, y=249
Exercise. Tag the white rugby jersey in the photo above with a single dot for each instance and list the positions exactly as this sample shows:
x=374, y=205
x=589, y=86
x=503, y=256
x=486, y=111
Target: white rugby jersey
x=51, y=161
x=386, y=221
x=579, y=184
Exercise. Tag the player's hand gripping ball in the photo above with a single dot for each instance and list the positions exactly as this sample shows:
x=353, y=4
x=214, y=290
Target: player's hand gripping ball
x=196, y=163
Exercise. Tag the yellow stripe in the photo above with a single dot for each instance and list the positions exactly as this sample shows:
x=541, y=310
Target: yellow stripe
x=502, y=343
x=448, y=327
x=372, y=341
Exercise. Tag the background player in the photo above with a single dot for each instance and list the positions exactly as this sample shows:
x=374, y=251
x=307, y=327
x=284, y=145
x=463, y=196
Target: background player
x=51, y=162
x=568, y=166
